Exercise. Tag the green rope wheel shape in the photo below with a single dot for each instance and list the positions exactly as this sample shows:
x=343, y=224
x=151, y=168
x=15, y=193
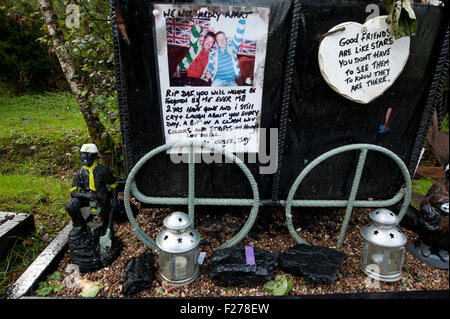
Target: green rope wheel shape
x=191, y=201
x=404, y=192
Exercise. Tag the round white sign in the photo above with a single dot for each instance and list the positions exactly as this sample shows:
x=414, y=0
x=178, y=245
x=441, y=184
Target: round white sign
x=360, y=62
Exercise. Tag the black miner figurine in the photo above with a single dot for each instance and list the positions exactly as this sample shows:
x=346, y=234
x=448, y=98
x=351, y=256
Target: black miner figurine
x=432, y=245
x=92, y=244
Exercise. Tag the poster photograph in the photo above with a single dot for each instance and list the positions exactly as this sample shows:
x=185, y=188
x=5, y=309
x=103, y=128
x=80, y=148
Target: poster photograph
x=211, y=69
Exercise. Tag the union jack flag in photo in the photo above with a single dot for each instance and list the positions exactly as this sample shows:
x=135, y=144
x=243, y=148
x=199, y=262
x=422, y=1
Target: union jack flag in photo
x=248, y=47
x=178, y=33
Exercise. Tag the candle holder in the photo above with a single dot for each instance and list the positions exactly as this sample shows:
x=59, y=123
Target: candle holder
x=383, y=251
x=178, y=247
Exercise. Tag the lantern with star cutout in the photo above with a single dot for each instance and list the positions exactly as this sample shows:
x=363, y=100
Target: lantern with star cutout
x=383, y=250
x=178, y=247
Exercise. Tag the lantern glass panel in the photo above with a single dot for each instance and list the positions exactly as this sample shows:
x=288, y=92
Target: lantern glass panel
x=164, y=264
x=191, y=262
x=375, y=255
x=184, y=265
x=178, y=266
x=395, y=260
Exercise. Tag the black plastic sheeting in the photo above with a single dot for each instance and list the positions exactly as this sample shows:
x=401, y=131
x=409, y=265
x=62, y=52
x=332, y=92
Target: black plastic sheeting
x=318, y=119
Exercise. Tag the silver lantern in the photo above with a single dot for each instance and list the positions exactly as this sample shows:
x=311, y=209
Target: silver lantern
x=383, y=249
x=178, y=244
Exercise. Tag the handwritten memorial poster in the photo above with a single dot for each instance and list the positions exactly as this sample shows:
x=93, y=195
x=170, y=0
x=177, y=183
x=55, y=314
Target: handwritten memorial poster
x=211, y=71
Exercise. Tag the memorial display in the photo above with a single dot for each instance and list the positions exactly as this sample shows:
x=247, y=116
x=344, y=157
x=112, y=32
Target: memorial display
x=328, y=97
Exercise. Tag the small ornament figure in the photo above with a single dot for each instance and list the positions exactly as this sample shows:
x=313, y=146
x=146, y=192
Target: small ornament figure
x=432, y=246
x=92, y=243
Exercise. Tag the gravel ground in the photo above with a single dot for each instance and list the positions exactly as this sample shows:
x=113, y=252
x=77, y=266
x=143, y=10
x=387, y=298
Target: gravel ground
x=318, y=227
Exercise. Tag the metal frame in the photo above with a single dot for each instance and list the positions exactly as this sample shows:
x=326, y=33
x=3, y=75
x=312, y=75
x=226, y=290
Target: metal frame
x=404, y=192
x=191, y=201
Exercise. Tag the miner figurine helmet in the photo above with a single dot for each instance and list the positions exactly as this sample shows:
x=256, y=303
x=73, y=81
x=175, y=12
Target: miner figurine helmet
x=88, y=154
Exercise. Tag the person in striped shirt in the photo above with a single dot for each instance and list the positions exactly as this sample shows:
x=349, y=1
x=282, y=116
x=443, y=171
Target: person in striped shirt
x=223, y=66
x=196, y=60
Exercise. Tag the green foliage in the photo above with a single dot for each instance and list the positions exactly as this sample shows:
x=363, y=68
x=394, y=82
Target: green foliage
x=90, y=46
x=402, y=18
x=280, y=286
x=51, y=285
x=92, y=52
x=25, y=64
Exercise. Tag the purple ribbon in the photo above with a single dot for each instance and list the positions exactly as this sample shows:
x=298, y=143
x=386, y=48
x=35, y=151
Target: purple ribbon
x=249, y=255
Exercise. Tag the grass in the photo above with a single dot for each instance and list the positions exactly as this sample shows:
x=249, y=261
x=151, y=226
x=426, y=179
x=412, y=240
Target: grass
x=49, y=116
x=40, y=136
x=44, y=197
x=23, y=252
x=421, y=186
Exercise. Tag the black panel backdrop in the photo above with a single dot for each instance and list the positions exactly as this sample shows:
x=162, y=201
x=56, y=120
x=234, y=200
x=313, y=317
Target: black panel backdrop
x=318, y=119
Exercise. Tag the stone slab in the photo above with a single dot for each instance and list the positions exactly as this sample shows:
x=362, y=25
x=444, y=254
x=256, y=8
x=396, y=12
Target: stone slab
x=14, y=225
x=320, y=264
x=229, y=267
x=138, y=274
x=50, y=256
